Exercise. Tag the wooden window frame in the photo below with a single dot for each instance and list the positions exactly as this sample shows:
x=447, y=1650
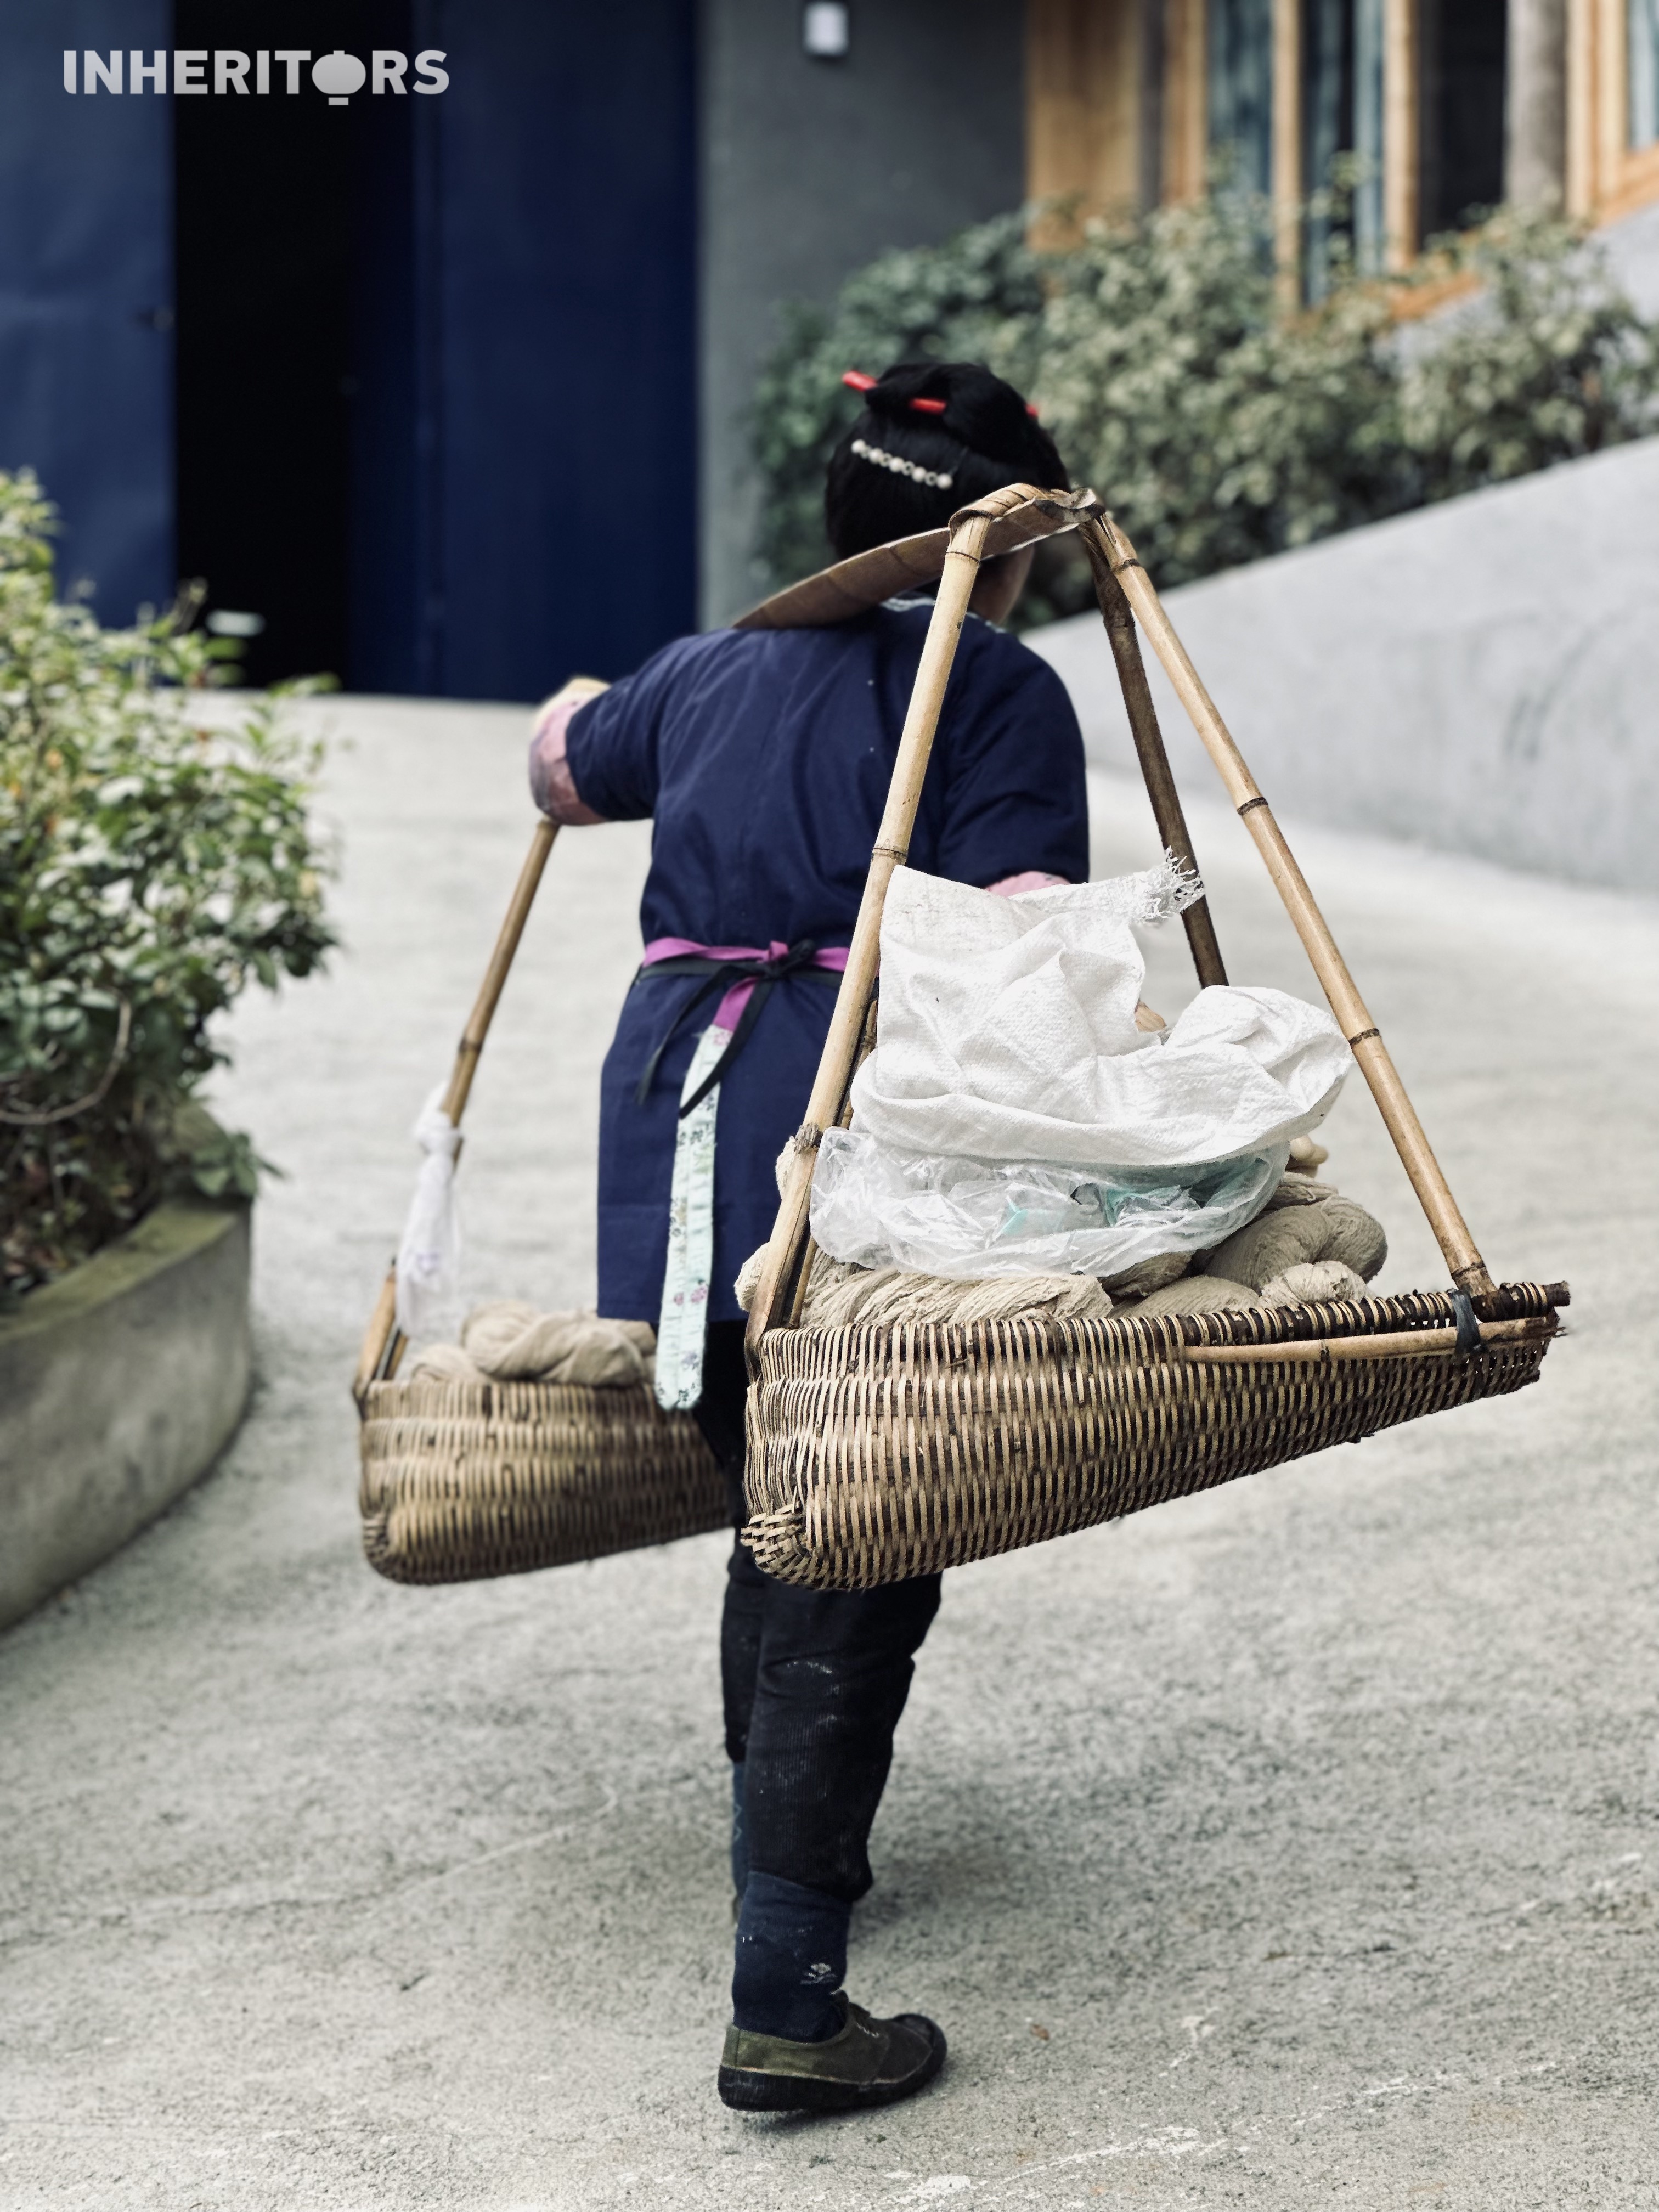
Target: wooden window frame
x=1186, y=101
x=1187, y=141
x=1402, y=149
x=1606, y=177
x=1083, y=119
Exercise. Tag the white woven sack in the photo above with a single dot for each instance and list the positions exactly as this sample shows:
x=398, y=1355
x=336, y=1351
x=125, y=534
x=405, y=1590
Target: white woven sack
x=1007, y=1033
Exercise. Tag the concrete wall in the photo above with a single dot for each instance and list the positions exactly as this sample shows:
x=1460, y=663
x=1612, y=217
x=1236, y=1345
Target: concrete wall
x=1632, y=249
x=811, y=168
x=120, y=1384
x=1482, y=676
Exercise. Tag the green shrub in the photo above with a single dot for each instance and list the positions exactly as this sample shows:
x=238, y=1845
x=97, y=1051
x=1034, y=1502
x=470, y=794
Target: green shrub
x=1216, y=427
x=150, y=870
x=1550, y=361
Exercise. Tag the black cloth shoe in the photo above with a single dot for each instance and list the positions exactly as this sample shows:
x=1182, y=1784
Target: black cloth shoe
x=869, y=2062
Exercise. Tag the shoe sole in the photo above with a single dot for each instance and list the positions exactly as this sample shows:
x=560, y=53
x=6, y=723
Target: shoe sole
x=747, y=2091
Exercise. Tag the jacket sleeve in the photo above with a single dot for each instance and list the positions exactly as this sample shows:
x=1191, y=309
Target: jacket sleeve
x=613, y=746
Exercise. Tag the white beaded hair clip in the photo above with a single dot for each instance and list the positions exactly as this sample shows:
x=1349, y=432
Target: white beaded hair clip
x=901, y=468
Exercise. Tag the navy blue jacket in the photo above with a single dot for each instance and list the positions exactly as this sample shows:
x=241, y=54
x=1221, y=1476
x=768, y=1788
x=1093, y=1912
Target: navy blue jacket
x=764, y=758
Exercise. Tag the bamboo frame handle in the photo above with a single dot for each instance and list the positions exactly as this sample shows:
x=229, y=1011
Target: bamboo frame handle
x=472, y=1045
x=1167, y=809
x=372, y=1356
x=1400, y=1344
x=782, y=1285
x=1468, y=1269
x=383, y=1340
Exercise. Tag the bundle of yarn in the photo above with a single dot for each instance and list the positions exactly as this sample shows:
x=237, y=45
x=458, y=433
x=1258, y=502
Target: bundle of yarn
x=510, y=1341
x=838, y=1293
x=1309, y=1243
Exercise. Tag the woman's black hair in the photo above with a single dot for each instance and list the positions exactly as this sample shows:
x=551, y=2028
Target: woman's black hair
x=973, y=429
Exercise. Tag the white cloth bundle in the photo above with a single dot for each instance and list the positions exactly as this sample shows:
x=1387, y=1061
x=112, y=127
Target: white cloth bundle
x=1007, y=1032
x=1007, y=1042
x=429, y=1255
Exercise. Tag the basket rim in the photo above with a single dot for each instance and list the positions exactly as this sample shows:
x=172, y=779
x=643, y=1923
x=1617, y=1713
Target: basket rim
x=441, y=1391
x=1125, y=1336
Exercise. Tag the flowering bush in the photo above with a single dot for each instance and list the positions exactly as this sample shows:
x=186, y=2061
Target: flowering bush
x=1217, y=426
x=150, y=870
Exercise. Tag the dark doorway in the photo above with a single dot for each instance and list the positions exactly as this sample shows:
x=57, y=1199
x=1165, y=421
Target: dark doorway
x=436, y=391
x=264, y=233
x=1464, y=54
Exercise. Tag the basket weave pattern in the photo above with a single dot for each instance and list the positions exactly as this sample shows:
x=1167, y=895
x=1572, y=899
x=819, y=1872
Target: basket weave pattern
x=465, y=1480
x=882, y=1452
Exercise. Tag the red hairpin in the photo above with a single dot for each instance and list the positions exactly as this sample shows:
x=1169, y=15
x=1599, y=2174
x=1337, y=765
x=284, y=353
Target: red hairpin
x=856, y=380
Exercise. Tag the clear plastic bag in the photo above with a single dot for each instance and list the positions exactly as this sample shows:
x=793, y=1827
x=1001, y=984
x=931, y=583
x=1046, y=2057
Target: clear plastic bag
x=878, y=1207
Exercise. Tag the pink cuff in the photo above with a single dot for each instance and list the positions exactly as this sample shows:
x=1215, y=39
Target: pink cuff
x=552, y=784
x=1032, y=879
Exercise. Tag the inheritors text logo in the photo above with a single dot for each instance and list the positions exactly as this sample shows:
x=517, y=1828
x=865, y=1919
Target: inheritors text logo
x=336, y=76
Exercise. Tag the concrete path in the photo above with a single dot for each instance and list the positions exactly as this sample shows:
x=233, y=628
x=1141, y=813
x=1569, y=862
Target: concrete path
x=1291, y=1846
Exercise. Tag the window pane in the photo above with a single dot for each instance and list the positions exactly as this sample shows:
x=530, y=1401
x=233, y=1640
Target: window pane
x=1644, y=39
x=1326, y=131
x=1464, y=45
x=1241, y=84
x=1368, y=230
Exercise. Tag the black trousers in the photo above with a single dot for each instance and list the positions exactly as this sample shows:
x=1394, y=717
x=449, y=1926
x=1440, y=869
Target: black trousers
x=813, y=1680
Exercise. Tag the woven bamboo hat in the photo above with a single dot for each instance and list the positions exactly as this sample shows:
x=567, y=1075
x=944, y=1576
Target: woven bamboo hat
x=851, y=587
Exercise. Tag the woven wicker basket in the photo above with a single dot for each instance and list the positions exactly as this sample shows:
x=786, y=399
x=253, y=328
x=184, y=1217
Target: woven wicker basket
x=882, y=1452
x=462, y=1481
x=465, y=1480
x=875, y=1454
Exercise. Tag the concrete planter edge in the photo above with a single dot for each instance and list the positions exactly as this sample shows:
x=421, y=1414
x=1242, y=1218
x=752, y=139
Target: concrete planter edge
x=120, y=1384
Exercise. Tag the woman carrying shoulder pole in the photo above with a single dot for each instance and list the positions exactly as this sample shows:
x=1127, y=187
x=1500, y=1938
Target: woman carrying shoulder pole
x=762, y=757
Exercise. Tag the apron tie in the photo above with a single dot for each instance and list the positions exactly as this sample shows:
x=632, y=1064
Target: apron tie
x=749, y=976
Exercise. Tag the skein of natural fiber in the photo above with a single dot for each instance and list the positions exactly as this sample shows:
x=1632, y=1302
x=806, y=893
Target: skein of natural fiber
x=1303, y=1223
x=1148, y=1275
x=1312, y=1283
x=1194, y=1294
x=510, y=1342
x=839, y=1294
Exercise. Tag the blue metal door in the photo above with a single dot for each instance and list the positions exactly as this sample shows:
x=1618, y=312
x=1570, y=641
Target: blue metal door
x=85, y=294
x=523, y=441
x=526, y=472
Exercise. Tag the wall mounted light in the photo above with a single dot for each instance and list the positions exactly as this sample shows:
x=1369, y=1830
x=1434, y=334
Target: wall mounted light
x=826, y=29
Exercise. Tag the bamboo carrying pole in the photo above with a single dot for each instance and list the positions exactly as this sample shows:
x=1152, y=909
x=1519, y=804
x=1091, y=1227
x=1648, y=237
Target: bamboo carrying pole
x=783, y=1278
x=383, y=1340
x=501, y=960
x=1468, y=1269
x=1167, y=809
